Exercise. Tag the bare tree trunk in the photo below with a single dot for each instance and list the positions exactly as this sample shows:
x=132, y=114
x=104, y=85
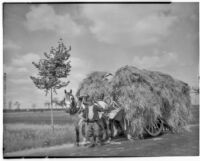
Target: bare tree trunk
x=52, y=124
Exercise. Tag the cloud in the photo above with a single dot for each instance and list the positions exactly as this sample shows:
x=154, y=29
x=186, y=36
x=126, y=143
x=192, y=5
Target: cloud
x=21, y=81
x=130, y=24
x=20, y=65
x=22, y=69
x=8, y=44
x=43, y=17
x=155, y=61
x=15, y=70
x=77, y=62
x=25, y=59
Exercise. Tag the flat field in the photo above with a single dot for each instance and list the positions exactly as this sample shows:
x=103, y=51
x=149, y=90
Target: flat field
x=26, y=130
x=60, y=117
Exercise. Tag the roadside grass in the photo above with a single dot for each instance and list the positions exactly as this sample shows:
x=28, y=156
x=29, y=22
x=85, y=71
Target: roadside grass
x=21, y=136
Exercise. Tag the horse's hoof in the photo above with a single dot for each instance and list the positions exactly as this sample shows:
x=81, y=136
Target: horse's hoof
x=91, y=145
x=129, y=137
x=107, y=142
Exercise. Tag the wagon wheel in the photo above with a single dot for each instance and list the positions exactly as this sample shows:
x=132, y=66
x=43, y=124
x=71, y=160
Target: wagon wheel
x=156, y=129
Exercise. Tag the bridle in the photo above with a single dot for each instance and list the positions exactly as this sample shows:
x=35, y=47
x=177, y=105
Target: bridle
x=70, y=104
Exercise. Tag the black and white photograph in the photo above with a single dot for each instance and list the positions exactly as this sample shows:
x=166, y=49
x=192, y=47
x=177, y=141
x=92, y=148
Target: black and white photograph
x=100, y=79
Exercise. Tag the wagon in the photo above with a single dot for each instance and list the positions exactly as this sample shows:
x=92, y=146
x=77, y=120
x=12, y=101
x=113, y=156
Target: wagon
x=153, y=128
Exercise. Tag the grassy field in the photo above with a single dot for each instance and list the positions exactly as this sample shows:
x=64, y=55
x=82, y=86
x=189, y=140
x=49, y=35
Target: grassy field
x=25, y=130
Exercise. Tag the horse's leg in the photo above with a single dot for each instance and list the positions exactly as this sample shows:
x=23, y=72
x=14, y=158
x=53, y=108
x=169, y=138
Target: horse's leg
x=121, y=129
x=83, y=132
x=115, y=130
x=128, y=134
x=101, y=128
x=105, y=129
x=122, y=124
x=112, y=127
x=109, y=133
x=77, y=134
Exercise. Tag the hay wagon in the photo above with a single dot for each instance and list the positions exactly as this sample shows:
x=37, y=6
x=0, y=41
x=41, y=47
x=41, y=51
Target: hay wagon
x=152, y=101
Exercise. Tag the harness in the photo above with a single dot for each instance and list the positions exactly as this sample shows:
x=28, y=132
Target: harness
x=73, y=105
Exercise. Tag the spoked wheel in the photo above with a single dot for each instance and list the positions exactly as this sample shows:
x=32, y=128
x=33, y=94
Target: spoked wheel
x=155, y=129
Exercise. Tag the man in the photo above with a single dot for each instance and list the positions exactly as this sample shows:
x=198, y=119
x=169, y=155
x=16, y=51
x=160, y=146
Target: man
x=82, y=121
x=92, y=118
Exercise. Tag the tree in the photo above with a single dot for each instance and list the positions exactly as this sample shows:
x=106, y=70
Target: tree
x=10, y=105
x=52, y=69
x=47, y=104
x=54, y=101
x=196, y=90
x=58, y=102
x=33, y=106
x=17, y=104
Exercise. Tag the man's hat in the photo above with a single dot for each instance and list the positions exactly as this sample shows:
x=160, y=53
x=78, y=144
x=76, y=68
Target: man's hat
x=88, y=101
x=83, y=95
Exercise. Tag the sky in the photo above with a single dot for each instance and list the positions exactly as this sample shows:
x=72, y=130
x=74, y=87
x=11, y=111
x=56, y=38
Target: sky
x=103, y=37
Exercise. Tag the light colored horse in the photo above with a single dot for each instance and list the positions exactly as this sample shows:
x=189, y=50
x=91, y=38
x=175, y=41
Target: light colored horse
x=73, y=107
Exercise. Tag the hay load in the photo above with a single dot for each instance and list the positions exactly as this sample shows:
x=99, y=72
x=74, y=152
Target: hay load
x=148, y=96
x=95, y=85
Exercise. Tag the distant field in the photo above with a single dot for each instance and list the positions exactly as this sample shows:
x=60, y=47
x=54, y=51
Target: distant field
x=60, y=117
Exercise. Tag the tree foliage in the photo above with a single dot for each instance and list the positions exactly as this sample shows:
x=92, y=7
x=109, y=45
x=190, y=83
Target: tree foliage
x=53, y=68
x=17, y=104
x=10, y=105
x=195, y=90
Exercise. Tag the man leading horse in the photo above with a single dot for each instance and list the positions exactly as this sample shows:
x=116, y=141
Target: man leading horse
x=77, y=107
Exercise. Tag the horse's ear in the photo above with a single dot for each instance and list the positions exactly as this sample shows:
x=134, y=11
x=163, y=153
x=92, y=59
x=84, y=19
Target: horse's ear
x=70, y=91
x=65, y=91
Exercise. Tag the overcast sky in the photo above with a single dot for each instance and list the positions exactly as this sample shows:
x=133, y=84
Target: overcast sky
x=103, y=37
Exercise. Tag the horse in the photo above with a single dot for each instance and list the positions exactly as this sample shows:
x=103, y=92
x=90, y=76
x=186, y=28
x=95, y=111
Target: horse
x=111, y=124
x=75, y=107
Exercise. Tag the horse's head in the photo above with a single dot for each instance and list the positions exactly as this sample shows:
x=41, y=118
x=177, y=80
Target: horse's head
x=69, y=102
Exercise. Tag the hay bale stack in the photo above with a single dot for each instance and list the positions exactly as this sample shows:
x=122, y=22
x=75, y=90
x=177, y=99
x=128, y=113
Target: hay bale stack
x=95, y=85
x=147, y=96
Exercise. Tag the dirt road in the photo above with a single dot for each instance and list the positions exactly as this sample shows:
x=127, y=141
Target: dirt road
x=183, y=144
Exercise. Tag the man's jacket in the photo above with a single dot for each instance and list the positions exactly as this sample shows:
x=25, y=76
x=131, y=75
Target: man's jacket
x=91, y=112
